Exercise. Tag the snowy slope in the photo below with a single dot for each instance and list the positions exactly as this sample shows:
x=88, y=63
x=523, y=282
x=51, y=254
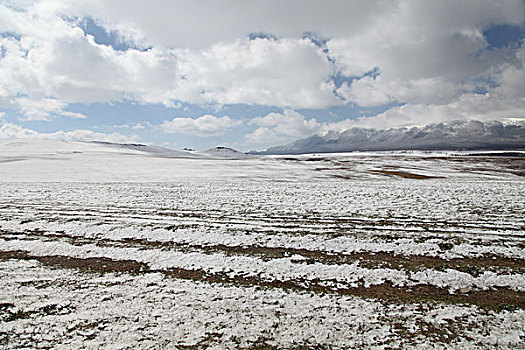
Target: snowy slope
x=34, y=160
x=34, y=148
x=150, y=150
x=457, y=135
x=30, y=148
x=51, y=161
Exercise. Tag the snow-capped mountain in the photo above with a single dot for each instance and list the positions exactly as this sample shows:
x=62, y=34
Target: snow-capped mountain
x=457, y=135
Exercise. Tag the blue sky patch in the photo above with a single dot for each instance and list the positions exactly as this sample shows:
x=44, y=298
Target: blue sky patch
x=102, y=36
x=504, y=35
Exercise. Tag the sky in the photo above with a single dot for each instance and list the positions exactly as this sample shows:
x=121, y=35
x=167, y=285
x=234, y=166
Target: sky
x=251, y=74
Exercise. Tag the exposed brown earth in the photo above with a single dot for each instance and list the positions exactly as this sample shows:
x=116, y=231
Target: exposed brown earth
x=101, y=265
x=474, y=266
x=405, y=175
x=497, y=298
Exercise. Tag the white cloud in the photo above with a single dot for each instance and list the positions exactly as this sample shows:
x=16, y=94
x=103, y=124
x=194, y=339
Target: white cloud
x=286, y=72
x=424, y=52
x=199, y=24
x=364, y=93
x=207, y=125
x=88, y=135
x=38, y=110
x=44, y=109
x=13, y=131
x=501, y=103
x=281, y=128
x=55, y=59
x=73, y=115
x=262, y=138
x=429, y=55
x=467, y=106
x=143, y=125
x=505, y=100
x=370, y=92
x=290, y=123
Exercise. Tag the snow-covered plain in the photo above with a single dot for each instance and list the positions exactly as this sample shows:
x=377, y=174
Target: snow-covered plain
x=128, y=246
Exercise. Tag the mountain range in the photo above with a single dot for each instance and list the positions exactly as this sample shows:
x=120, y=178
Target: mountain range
x=456, y=135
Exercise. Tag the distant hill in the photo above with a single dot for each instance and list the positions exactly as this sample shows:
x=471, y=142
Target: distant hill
x=34, y=147
x=226, y=153
x=150, y=150
x=456, y=135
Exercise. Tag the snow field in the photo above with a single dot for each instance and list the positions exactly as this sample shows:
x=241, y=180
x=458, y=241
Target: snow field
x=265, y=252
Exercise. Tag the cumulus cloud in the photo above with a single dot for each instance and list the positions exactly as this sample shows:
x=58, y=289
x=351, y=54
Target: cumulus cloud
x=44, y=109
x=52, y=57
x=198, y=24
x=279, y=128
x=290, y=123
x=48, y=57
x=14, y=131
x=504, y=100
x=468, y=106
x=430, y=56
x=369, y=91
x=285, y=72
x=421, y=56
x=262, y=138
x=207, y=125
